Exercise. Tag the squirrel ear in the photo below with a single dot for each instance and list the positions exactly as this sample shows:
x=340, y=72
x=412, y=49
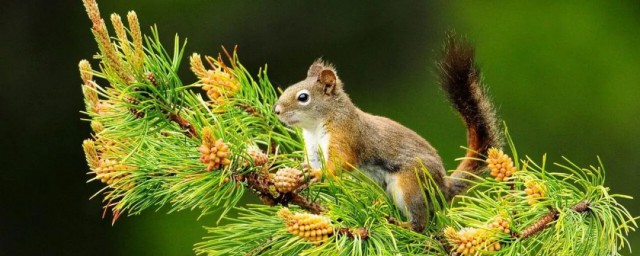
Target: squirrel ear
x=328, y=79
x=315, y=69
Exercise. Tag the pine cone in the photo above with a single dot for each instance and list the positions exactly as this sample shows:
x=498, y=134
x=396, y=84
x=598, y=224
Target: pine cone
x=259, y=158
x=500, y=164
x=151, y=78
x=97, y=127
x=216, y=155
x=219, y=82
x=471, y=241
x=287, y=179
x=501, y=224
x=535, y=191
x=310, y=227
x=219, y=85
x=109, y=171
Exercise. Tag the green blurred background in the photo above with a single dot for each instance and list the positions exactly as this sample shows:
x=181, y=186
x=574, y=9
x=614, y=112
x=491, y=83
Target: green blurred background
x=565, y=77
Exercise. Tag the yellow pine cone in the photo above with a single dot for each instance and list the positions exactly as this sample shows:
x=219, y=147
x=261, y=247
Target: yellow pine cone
x=471, y=241
x=110, y=172
x=451, y=235
x=216, y=155
x=85, y=72
x=91, y=153
x=310, y=227
x=535, y=190
x=216, y=94
x=285, y=214
x=219, y=83
x=501, y=224
x=287, y=179
x=500, y=164
x=97, y=127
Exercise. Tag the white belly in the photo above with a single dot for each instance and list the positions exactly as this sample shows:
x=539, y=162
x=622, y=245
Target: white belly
x=316, y=143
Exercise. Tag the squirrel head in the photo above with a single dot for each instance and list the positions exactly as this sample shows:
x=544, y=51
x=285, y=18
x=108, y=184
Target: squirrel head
x=309, y=102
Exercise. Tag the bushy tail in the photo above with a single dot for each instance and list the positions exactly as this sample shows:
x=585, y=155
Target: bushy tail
x=459, y=77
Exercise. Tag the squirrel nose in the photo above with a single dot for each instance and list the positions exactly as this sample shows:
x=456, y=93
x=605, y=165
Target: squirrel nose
x=277, y=109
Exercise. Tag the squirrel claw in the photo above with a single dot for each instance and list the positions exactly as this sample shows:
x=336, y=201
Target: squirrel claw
x=316, y=175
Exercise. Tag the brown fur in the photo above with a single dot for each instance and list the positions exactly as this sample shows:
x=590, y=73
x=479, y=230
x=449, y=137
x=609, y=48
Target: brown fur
x=341, y=151
x=382, y=148
x=459, y=77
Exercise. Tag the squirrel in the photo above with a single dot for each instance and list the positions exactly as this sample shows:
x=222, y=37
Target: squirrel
x=338, y=133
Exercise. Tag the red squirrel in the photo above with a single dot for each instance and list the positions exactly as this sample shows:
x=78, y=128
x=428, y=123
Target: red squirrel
x=337, y=133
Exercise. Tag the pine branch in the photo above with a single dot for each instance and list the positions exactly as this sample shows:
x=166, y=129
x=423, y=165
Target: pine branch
x=487, y=211
x=546, y=220
x=361, y=233
x=157, y=142
x=261, y=184
x=188, y=129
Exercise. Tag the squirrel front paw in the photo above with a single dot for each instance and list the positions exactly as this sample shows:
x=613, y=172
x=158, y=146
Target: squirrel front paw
x=315, y=175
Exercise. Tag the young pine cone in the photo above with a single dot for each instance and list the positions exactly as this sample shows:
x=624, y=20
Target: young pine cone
x=110, y=171
x=219, y=82
x=219, y=85
x=500, y=164
x=287, y=179
x=259, y=158
x=535, y=191
x=471, y=241
x=216, y=155
x=501, y=224
x=310, y=227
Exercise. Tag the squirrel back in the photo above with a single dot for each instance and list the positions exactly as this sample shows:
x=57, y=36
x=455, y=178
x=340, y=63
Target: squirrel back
x=460, y=78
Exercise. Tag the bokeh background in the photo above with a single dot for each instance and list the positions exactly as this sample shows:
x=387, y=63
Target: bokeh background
x=565, y=77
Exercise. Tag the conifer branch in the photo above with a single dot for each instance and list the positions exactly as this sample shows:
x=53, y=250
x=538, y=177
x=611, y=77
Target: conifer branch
x=263, y=186
x=234, y=142
x=360, y=233
x=187, y=127
x=546, y=220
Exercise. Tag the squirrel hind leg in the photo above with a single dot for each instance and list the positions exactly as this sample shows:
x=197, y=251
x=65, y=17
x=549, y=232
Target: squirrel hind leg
x=404, y=189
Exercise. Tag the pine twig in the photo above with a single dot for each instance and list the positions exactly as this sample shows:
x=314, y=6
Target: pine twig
x=188, y=128
x=545, y=221
x=361, y=233
x=249, y=109
x=261, y=183
x=303, y=202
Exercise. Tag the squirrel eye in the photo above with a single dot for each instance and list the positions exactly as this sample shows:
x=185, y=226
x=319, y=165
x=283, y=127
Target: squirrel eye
x=303, y=97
